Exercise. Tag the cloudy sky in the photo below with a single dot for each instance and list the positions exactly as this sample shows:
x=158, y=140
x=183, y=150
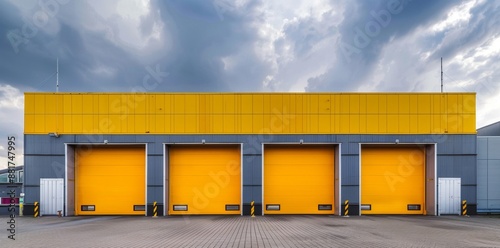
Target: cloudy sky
x=246, y=45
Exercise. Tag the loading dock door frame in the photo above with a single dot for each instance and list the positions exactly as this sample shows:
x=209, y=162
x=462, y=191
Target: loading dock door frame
x=337, y=192
x=430, y=184
x=69, y=172
x=166, y=183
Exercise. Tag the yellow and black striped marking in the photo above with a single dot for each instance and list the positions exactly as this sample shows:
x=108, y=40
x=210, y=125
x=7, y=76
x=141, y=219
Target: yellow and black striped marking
x=36, y=210
x=346, y=208
x=252, y=209
x=464, y=207
x=155, y=209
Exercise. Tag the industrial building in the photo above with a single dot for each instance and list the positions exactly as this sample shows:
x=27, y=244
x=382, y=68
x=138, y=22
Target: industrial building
x=488, y=169
x=222, y=153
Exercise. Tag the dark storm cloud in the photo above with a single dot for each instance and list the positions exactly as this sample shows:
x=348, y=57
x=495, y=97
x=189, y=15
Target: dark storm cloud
x=202, y=39
x=368, y=26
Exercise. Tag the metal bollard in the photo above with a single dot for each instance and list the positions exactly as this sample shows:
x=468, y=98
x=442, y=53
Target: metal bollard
x=155, y=209
x=346, y=208
x=252, y=209
x=464, y=208
x=36, y=210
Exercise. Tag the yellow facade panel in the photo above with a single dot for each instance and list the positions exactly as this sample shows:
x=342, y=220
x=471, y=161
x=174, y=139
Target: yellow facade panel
x=362, y=123
x=76, y=123
x=29, y=104
x=177, y=123
x=29, y=123
x=305, y=111
x=77, y=104
x=392, y=123
x=191, y=124
x=66, y=124
x=180, y=107
x=39, y=104
x=258, y=123
x=88, y=123
x=403, y=104
x=424, y=124
x=403, y=124
x=50, y=122
x=246, y=104
x=414, y=124
x=354, y=104
x=372, y=104
x=286, y=104
x=344, y=125
x=325, y=125
x=382, y=104
x=217, y=123
x=372, y=124
x=313, y=104
x=413, y=104
x=324, y=102
x=344, y=101
x=468, y=122
x=51, y=104
x=424, y=104
x=102, y=103
x=192, y=104
x=354, y=123
x=452, y=105
x=392, y=104
x=168, y=106
x=140, y=123
x=469, y=104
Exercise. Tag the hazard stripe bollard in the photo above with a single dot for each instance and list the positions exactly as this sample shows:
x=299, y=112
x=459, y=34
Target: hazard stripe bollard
x=36, y=210
x=155, y=209
x=464, y=208
x=252, y=209
x=346, y=208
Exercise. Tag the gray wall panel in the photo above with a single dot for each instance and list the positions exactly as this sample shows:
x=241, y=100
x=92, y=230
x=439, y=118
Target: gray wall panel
x=350, y=193
x=32, y=194
x=482, y=181
x=482, y=148
x=469, y=194
x=252, y=193
x=37, y=167
x=494, y=179
x=248, y=175
x=350, y=170
x=467, y=169
x=155, y=194
x=155, y=170
x=494, y=148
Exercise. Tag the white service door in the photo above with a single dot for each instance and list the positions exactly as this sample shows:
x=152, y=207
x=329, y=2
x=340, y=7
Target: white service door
x=449, y=196
x=51, y=196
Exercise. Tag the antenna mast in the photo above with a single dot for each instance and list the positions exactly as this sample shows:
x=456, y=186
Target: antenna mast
x=441, y=74
x=57, y=75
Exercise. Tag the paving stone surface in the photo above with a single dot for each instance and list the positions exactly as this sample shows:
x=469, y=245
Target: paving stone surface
x=261, y=231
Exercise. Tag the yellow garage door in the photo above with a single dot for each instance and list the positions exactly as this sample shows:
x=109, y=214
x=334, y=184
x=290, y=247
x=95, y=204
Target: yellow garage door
x=204, y=179
x=392, y=180
x=110, y=180
x=299, y=179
